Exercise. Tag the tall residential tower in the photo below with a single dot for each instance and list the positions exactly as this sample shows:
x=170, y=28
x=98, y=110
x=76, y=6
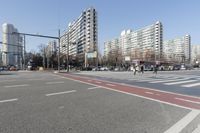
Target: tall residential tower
x=178, y=49
x=143, y=44
x=12, y=46
x=81, y=36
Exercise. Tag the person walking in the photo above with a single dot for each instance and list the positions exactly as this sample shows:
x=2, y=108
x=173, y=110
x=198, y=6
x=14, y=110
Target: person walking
x=142, y=69
x=155, y=69
x=134, y=69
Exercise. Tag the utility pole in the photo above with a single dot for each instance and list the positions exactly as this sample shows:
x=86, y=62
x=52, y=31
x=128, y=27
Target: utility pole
x=68, y=51
x=24, y=53
x=59, y=50
x=44, y=57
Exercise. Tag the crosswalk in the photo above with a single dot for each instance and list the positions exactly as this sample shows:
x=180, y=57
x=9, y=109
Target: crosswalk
x=169, y=79
x=178, y=80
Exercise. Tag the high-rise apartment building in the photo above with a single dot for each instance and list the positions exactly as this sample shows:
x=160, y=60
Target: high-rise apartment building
x=143, y=44
x=51, y=51
x=1, y=63
x=81, y=36
x=51, y=48
x=12, y=46
x=195, y=53
x=178, y=49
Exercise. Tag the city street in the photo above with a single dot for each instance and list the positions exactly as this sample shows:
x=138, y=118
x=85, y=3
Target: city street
x=99, y=102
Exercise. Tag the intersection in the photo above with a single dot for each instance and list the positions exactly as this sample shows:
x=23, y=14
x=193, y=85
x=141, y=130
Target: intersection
x=88, y=102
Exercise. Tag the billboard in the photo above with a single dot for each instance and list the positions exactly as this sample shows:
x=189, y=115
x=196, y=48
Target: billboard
x=91, y=55
x=127, y=58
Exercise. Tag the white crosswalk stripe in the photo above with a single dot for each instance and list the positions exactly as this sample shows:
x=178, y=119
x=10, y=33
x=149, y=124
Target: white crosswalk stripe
x=162, y=81
x=180, y=82
x=191, y=85
x=191, y=81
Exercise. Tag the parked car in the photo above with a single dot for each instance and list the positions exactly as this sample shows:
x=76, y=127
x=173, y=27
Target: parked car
x=96, y=69
x=104, y=69
x=12, y=68
x=177, y=67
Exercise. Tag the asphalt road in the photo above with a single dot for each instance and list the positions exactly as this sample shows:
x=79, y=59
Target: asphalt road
x=43, y=102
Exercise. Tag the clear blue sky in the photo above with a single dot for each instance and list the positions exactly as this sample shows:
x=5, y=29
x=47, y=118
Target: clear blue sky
x=179, y=17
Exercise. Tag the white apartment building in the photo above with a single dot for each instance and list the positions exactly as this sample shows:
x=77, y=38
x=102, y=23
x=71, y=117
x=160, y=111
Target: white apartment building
x=81, y=36
x=195, y=53
x=12, y=46
x=140, y=43
x=178, y=49
x=51, y=48
x=114, y=45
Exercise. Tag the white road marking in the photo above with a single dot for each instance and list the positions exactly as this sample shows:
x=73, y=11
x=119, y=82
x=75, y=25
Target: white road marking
x=93, y=88
x=8, y=100
x=59, y=82
x=181, y=124
x=12, y=86
x=187, y=100
x=191, y=85
x=148, y=80
x=180, y=82
x=98, y=82
x=110, y=84
x=164, y=80
x=58, y=93
x=197, y=130
x=149, y=92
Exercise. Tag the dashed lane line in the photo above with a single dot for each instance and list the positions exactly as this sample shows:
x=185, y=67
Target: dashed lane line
x=110, y=84
x=12, y=86
x=91, y=88
x=149, y=92
x=58, y=93
x=8, y=100
x=59, y=82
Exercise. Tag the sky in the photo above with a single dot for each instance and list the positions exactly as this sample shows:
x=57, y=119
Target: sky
x=45, y=17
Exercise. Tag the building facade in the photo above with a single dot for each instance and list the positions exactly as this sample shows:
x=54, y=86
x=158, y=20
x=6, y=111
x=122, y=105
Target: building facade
x=51, y=53
x=12, y=47
x=195, y=56
x=51, y=48
x=143, y=44
x=81, y=36
x=178, y=49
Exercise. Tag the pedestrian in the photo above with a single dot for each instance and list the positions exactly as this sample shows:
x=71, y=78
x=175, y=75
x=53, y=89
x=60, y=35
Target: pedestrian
x=142, y=69
x=134, y=69
x=155, y=69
